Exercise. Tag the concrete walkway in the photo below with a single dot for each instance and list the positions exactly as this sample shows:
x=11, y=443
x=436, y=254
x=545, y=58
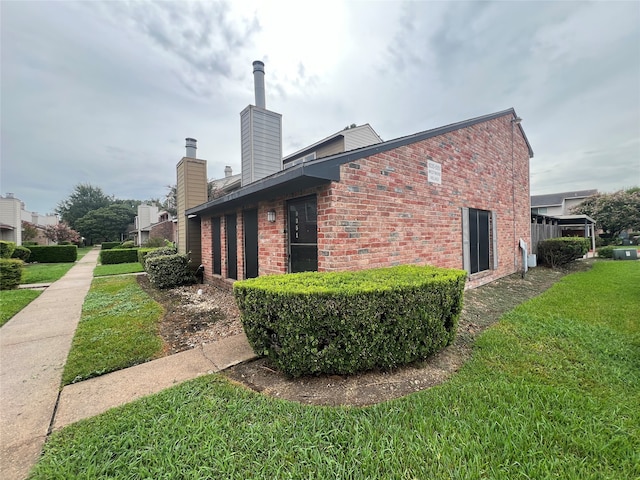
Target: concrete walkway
x=34, y=346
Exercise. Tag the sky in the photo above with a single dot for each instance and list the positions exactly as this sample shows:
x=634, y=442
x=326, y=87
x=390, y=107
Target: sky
x=105, y=93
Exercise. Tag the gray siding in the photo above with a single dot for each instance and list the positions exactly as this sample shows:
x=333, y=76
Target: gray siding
x=358, y=137
x=261, y=137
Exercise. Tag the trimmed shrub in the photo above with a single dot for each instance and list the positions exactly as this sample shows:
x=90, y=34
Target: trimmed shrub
x=28, y=244
x=143, y=253
x=556, y=252
x=23, y=253
x=155, y=242
x=109, y=245
x=118, y=255
x=6, y=248
x=53, y=253
x=128, y=244
x=345, y=322
x=166, y=271
x=10, y=273
x=605, y=252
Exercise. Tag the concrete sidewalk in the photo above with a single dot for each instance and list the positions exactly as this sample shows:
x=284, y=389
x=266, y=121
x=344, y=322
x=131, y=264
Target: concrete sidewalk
x=34, y=346
x=33, y=349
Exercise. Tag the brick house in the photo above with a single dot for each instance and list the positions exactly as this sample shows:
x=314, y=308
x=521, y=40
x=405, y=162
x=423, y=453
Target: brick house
x=455, y=196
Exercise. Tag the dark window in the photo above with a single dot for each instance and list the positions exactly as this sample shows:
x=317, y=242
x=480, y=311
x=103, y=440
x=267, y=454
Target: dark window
x=477, y=240
x=217, y=246
x=303, y=234
x=250, y=243
x=232, y=246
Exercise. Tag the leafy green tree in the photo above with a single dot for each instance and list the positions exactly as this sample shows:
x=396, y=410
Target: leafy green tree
x=29, y=231
x=108, y=223
x=613, y=212
x=84, y=199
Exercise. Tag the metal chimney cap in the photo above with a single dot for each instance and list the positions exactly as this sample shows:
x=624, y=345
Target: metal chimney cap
x=191, y=140
x=258, y=66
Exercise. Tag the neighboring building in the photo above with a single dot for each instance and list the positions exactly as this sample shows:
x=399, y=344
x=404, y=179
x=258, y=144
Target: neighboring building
x=165, y=228
x=13, y=213
x=559, y=203
x=350, y=138
x=152, y=223
x=455, y=196
x=147, y=216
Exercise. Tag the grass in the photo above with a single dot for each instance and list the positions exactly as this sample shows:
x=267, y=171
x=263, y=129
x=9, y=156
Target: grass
x=118, y=328
x=12, y=301
x=552, y=391
x=117, y=269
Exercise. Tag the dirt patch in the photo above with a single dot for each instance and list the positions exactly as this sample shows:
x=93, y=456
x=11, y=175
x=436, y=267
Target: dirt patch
x=194, y=314
x=193, y=318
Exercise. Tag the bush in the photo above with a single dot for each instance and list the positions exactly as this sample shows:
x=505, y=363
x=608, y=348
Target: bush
x=605, y=252
x=10, y=273
x=28, y=244
x=155, y=242
x=118, y=255
x=166, y=271
x=6, y=248
x=556, y=252
x=53, y=253
x=128, y=244
x=347, y=322
x=143, y=253
x=109, y=245
x=22, y=253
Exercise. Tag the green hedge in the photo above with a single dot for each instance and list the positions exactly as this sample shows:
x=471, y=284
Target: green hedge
x=23, y=253
x=6, y=248
x=53, y=253
x=605, y=252
x=143, y=253
x=556, y=252
x=109, y=245
x=347, y=322
x=166, y=271
x=118, y=255
x=10, y=273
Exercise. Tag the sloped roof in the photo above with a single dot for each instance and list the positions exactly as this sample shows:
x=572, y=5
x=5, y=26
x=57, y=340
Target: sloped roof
x=557, y=199
x=341, y=133
x=324, y=170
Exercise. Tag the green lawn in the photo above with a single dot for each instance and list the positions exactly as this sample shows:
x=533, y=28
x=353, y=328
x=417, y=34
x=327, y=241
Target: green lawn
x=12, y=301
x=117, y=269
x=118, y=328
x=552, y=391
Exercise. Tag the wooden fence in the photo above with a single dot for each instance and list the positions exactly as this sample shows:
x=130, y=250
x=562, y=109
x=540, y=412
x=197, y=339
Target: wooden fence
x=549, y=228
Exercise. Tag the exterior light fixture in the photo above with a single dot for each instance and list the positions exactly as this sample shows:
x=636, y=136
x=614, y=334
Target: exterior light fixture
x=271, y=216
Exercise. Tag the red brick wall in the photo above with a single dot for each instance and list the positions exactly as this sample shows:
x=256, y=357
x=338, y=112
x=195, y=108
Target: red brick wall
x=384, y=212
x=165, y=230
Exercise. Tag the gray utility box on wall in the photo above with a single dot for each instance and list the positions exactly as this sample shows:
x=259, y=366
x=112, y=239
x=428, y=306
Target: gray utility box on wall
x=626, y=254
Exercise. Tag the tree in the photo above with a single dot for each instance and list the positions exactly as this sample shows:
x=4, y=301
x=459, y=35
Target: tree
x=107, y=223
x=84, y=199
x=61, y=233
x=29, y=231
x=613, y=212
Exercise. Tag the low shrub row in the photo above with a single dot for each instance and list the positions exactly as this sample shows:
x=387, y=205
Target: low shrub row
x=118, y=255
x=53, y=253
x=109, y=245
x=556, y=252
x=346, y=322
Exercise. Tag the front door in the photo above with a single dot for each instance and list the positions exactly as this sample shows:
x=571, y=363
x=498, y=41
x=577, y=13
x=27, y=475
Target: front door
x=303, y=234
